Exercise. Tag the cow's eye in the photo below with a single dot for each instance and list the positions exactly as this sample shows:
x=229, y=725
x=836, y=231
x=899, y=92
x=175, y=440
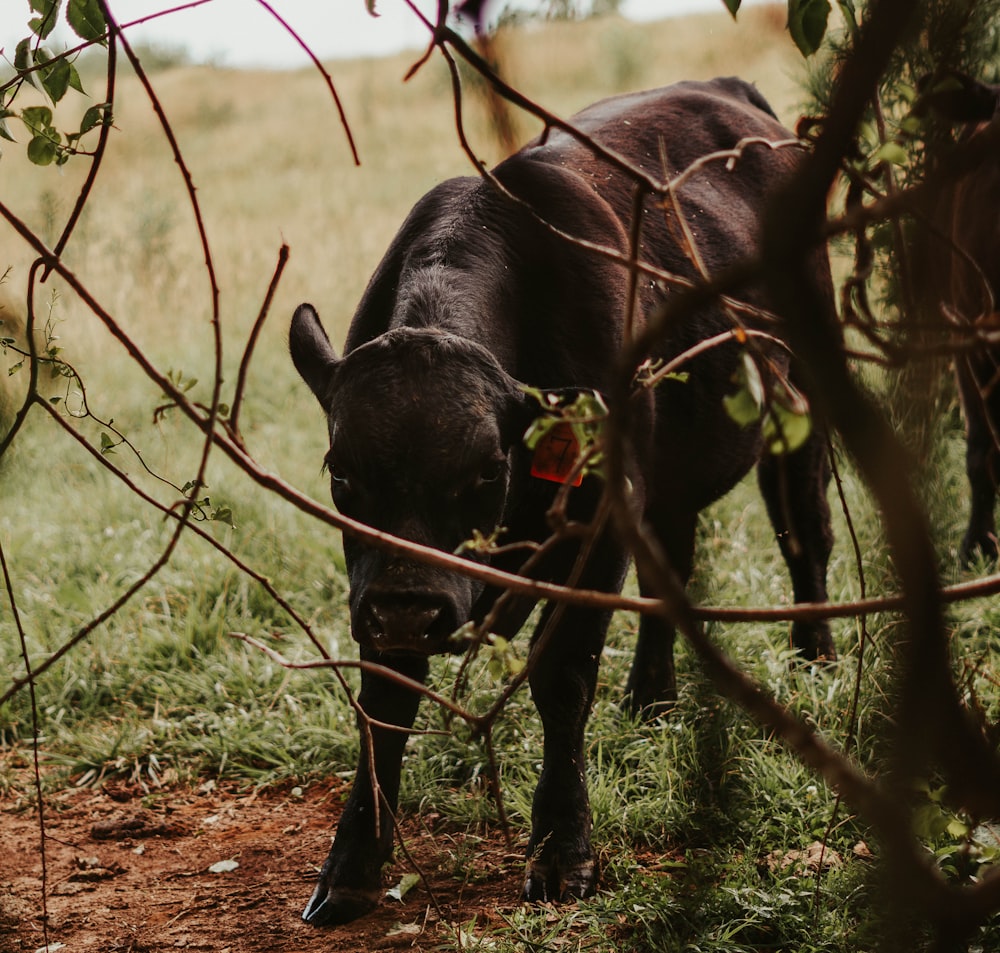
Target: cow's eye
x=492, y=471
x=337, y=475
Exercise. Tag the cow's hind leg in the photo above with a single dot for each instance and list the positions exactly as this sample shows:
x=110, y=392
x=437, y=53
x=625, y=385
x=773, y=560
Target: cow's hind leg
x=794, y=488
x=982, y=466
x=651, y=691
x=350, y=881
x=565, y=658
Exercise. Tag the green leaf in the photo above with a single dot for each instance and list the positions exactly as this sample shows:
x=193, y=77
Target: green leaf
x=405, y=885
x=752, y=379
x=56, y=78
x=732, y=6
x=23, y=58
x=87, y=19
x=785, y=429
x=502, y=661
x=807, y=21
x=44, y=24
x=107, y=444
x=742, y=408
x=540, y=426
x=747, y=404
x=41, y=27
x=37, y=117
x=957, y=829
x=223, y=514
x=74, y=78
x=891, y=152
x=91, y=118
x=5, y=132
x=94, y=116
x=42, y=150
x=929, y=822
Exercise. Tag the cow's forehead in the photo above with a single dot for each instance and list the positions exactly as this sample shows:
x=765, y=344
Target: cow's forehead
x=414, y=371
x=423, y=407
x=418, y=448
x=408, y=414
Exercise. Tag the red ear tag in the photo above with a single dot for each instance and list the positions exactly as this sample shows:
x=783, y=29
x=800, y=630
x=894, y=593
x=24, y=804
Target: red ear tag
x=555, y=455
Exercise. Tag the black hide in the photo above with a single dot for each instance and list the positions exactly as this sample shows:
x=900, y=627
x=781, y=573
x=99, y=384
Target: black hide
x=958, y=276
x=426, y=413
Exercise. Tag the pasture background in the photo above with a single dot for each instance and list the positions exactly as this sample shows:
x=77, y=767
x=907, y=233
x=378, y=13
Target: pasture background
x=694, y=819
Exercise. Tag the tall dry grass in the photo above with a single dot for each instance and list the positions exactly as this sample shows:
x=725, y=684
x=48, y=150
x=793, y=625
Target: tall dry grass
x=271, y=164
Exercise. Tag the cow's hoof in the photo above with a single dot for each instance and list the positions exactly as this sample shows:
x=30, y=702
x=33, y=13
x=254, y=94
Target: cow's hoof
x=814, y=642
x=548, y=882
x=651, y=707
x=331, y=906
x=978, y=549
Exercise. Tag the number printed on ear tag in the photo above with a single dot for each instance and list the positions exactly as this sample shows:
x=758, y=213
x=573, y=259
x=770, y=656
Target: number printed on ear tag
x=556, y=454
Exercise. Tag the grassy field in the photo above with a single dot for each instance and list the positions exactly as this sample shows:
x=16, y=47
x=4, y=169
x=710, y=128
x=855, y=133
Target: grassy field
x=162, y=694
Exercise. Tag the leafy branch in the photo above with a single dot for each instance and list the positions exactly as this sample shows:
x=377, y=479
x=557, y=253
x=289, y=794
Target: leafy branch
x=53, y=76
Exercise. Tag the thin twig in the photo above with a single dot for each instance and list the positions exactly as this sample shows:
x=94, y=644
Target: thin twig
x=241, y=377
x=35, y=739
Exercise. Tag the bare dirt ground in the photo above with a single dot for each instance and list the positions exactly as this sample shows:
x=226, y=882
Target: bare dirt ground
x=134, y=873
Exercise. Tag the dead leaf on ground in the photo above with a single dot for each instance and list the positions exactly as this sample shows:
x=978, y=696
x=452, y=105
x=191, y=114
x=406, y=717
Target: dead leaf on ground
x=815, y=857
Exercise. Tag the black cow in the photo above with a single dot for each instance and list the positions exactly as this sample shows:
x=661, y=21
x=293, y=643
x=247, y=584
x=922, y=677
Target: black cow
x=477, y=297
x=960, y=276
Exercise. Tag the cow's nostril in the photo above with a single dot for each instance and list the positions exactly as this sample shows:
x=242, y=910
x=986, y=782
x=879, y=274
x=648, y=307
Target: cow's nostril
x=401, y=624
x=404, y=617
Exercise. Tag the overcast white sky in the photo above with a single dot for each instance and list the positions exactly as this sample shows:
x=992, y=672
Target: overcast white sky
x=243, y=33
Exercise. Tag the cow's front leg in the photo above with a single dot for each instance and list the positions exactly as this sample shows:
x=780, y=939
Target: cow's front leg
x=651, y=691
x=350, y=882
x=794, y=489
x=561, y=864
x=982, y=466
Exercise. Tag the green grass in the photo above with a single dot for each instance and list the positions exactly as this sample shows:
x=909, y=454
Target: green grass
x=686, y=812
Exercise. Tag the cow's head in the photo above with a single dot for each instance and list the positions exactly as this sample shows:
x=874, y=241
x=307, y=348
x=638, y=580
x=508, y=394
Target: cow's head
x=423, y=426
x=958, y=97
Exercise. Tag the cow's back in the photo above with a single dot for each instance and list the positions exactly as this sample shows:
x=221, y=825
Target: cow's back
x=465, y=225
x=663, y=132
x=668, y=133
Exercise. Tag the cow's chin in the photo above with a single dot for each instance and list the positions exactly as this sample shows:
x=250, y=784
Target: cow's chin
x=421, y=646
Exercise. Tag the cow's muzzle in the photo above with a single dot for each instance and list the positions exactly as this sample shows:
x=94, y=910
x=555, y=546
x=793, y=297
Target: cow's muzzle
x=408, y=623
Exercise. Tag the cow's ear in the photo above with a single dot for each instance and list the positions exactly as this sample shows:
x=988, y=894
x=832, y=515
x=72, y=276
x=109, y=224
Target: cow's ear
x=958, y=98
x=312, y=353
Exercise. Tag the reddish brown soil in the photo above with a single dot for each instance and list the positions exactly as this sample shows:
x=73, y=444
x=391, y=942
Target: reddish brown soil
x=129, y=872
